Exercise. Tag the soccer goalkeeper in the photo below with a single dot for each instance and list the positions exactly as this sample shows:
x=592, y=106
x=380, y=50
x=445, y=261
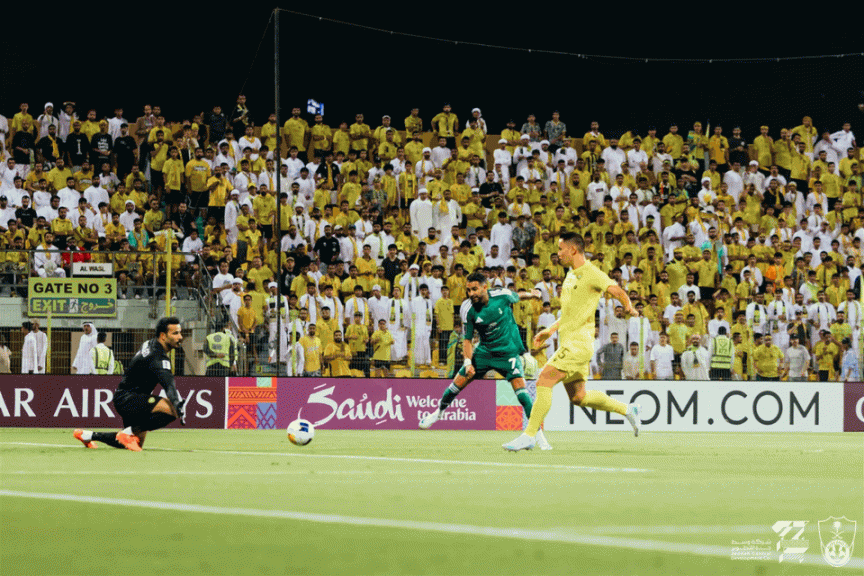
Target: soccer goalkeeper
x=141, y=411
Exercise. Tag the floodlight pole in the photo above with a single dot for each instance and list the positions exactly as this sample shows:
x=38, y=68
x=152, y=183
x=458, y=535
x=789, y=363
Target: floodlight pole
x=278, y=232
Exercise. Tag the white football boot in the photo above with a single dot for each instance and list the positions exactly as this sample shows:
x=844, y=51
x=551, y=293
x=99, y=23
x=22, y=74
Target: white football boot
x=634, y=416
x=542, y=443
x=523, y=442
x=430, y=419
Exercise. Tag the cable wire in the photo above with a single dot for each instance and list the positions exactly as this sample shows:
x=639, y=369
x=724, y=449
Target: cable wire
x=252, y=64
x=573, y=54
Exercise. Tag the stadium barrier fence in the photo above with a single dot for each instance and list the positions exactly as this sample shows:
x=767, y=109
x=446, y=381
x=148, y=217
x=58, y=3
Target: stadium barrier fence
x=269, y=403
x=40, y=401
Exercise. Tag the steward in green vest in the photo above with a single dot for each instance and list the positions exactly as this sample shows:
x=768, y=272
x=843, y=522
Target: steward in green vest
x=722, y=356
x=221, y=350
x=102, y=356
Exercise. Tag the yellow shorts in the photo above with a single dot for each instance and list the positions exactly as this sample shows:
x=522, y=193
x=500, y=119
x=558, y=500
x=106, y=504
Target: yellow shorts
x=575, y=365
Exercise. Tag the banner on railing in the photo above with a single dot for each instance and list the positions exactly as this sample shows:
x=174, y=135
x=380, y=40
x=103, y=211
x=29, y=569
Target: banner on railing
x=399, y=404
x=684, y=406
x=85, y=298
x=269, y=403
x=368, y=404
x=85, y=401
x=388, y=404
x=853, y=406
x=92, y=269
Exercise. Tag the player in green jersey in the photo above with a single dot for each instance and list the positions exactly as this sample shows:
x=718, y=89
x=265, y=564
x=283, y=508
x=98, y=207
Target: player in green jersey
x=500, y=347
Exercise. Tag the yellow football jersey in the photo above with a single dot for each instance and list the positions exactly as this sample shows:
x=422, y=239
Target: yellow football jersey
x=580, y=295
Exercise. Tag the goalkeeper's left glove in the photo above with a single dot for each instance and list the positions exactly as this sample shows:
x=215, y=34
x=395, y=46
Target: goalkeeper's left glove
x=181, y=410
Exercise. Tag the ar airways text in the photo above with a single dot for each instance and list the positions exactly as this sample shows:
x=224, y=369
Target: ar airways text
x=85, y=405
x=55, y=401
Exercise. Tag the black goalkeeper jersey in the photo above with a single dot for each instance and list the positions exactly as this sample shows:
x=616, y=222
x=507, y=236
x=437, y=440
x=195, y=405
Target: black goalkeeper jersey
x=150, y=366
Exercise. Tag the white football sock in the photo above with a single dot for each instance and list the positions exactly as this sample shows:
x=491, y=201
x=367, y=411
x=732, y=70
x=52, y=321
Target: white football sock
x=87, y=435
x=127, y=430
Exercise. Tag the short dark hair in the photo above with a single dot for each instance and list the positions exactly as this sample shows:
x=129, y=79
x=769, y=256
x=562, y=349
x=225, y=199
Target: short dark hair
x=478, y=277
x=101, y=337
x=163, y=324
x=575, y=239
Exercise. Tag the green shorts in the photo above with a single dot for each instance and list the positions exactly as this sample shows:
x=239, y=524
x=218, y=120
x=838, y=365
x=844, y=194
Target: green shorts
x=509, y=368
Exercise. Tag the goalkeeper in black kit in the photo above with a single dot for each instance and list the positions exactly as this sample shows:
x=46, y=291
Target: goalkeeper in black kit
x=134, y=400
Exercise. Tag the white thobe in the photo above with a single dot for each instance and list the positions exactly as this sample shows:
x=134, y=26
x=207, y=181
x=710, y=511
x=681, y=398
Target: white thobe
x=33, y=353
x=83, y=363
x=695, y=363
x=422, y=312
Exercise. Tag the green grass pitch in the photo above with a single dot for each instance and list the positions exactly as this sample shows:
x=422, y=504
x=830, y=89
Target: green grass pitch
x=381, y=502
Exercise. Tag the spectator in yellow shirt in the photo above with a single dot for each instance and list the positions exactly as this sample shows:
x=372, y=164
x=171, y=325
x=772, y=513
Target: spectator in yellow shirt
x=382, y=341
x=826, y=351
x=246, y=321
x=359, y=133
x=311, y=353
x=444, y=125
x=768, y=359
x=337, y=356
x=357, y=335
x=197, y=173
x=764, y=145
x=158, y=157
x=295, y=130
x=444, y=319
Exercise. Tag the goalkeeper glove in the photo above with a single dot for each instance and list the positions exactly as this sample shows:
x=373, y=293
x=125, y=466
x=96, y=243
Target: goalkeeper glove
x=181, y=410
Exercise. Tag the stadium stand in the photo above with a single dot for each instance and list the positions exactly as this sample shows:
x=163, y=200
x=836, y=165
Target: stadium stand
x=716, y=239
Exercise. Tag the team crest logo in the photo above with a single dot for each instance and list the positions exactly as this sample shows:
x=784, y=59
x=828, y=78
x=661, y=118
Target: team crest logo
x=837, y=539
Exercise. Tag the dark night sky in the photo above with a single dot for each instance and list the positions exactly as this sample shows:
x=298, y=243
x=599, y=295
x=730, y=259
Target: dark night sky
x=208, y=56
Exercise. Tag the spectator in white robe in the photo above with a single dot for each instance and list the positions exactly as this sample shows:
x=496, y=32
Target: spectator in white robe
x=83, y=363
x=398, y=323
x=695, y=360
x=422, y=213
x=34, y=351
x=422, y=313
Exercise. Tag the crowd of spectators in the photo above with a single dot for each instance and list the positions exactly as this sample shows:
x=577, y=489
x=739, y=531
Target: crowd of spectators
x=380, y=227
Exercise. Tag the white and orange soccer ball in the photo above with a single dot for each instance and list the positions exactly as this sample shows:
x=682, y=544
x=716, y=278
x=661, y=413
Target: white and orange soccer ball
x=301, y=432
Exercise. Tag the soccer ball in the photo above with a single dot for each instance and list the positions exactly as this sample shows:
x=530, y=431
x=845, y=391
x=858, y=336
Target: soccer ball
x=301, y=432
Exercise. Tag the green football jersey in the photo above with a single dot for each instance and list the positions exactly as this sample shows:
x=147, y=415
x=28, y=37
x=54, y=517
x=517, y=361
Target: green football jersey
x=494, y=322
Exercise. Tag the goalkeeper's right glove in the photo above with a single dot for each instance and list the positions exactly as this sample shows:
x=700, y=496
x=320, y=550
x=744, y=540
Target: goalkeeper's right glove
x=181, y=410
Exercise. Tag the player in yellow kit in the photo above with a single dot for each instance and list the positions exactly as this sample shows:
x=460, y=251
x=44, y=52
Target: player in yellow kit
x=581, y=292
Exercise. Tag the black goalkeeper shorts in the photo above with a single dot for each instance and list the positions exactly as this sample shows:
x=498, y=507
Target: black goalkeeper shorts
x=134, y=408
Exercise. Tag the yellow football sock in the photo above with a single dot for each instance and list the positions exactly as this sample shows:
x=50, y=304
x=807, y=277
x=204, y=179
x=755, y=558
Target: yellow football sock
x=542, y=405
x=599, y=401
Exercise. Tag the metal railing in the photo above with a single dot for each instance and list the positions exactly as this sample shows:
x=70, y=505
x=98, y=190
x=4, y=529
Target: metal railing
x=420, y=349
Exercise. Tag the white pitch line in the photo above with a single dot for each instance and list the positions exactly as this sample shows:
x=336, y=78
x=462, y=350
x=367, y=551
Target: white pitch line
x=488, y=531
x=377, y=459
x=236, y=472
x=39, y=444
x=673, y=530
x=183, y=473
